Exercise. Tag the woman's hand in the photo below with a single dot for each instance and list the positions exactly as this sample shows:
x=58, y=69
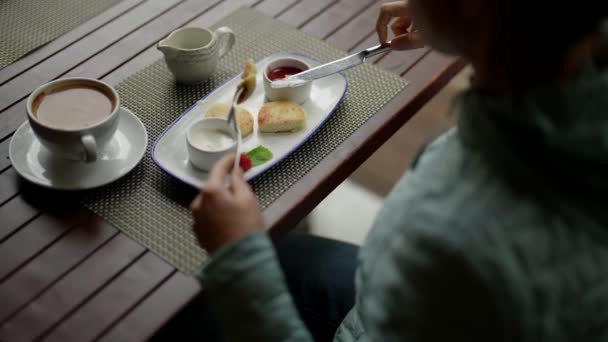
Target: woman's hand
x=223, y=214
x=406, y=37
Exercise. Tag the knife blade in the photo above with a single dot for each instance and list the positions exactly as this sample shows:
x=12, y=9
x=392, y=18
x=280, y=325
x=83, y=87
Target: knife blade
x=330, y=68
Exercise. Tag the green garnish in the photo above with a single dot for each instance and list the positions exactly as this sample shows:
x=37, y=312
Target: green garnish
x=259, y=155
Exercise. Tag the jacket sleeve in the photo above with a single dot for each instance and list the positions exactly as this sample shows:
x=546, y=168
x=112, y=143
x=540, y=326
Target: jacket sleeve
x=246, y=287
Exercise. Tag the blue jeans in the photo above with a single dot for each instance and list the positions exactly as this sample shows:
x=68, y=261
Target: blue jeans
x=320, y=274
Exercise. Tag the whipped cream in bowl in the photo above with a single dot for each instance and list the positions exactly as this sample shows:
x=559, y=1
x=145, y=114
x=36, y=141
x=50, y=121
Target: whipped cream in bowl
x=209, y=140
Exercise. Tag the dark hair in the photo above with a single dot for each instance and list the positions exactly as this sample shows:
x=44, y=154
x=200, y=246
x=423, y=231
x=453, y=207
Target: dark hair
x=550, y=26
x=535, y=36
x=517, y=152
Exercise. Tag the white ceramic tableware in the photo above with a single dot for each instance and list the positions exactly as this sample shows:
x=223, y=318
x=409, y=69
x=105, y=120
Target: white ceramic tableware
x=120, y=155
x=75, y=144
x=192, y=53
x=170, y=152
x=298, y=94
x=208, y=141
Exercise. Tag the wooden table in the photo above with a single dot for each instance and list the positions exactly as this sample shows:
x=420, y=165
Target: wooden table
x=65, y=273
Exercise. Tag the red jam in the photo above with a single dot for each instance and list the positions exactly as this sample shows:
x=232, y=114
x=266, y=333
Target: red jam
x=282, y=72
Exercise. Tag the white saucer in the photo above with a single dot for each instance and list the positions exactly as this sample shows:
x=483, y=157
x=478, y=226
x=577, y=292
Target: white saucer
x=36, y=164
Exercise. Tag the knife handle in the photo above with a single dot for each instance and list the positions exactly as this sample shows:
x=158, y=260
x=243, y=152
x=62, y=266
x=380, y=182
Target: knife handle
x=376, y=50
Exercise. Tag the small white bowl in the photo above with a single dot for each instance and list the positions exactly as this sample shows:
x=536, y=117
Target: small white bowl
x=207, y=142
x=298, y=94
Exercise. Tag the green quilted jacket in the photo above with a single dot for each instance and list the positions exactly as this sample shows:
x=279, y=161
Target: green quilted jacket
x=498, y=233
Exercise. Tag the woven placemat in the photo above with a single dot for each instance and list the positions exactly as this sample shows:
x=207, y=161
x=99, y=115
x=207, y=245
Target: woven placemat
x=28, y=24
x=152, y=207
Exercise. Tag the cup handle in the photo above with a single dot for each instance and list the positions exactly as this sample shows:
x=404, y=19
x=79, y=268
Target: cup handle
x=90, y=147
x=226, y=39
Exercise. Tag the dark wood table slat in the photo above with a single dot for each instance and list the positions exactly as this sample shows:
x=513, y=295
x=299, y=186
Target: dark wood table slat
x=275, y=7
x=11, y=119
x=9, y=184
x=399, y=62
x=66, y=39
x=113, y=301
x=14, y=214
x=304, y=11
x=38, y=234
x=72, y=290
x=146, y=318
x=335, y=17
x=356, y=30
x=5, y=161
x=28, y=282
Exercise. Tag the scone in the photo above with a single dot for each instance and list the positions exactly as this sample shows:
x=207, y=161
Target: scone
x=283, y=116
x=243, y=117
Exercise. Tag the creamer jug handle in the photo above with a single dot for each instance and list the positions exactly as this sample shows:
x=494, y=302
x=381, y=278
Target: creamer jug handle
x=226, y=40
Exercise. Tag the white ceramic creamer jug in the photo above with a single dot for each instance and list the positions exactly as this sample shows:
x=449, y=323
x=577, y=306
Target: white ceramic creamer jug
x=192, y=53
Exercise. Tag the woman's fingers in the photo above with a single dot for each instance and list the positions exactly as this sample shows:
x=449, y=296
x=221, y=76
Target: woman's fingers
x=388, y=11
x=216, y=183
x=240, y=188
x=407, y=41
x=381, y=29
x=401, y=26
x=195, y=206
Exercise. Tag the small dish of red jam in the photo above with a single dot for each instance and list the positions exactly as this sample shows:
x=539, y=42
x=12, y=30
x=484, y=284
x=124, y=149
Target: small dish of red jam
x=280, y=73
x=281, y=68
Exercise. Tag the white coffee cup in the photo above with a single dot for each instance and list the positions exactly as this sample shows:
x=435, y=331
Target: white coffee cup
x=80, y=143
x=192, y=53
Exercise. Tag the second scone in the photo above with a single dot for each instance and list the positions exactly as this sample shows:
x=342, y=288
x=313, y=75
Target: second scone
x=243, y=117
x=282, y=116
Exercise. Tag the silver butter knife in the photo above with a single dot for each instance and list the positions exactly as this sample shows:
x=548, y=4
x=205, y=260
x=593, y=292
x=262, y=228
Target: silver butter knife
x=330, y=68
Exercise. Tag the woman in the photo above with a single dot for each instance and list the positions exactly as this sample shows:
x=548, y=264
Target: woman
x=499, y=232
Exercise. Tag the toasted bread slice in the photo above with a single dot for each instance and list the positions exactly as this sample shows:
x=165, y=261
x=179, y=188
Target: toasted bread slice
x=243, y=117
x=282, y=116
